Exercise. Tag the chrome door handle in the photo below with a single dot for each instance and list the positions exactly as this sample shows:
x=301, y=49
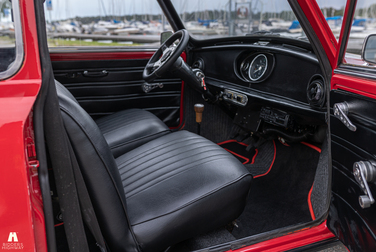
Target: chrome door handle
x=364, y=172
x=95, y=74
x=341, y=110
x=146, y=87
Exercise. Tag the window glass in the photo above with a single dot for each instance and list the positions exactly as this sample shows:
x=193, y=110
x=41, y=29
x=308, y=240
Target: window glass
x=363, y=25
x=333, y=11
x=224, y=18
x=118, y=23
x=11, y=47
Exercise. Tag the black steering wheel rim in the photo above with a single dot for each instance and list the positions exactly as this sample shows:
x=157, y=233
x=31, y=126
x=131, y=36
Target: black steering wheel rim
x=165, y=56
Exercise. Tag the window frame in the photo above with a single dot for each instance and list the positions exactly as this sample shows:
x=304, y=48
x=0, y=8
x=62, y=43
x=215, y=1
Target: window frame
x=19, y=45
x=345, y=65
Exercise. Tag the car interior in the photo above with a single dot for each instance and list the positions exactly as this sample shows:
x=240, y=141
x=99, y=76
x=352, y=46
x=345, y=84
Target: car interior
x=202, y=144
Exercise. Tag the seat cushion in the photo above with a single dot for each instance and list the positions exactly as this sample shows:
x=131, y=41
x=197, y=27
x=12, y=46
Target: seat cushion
x=181, y=185
x=130, y=128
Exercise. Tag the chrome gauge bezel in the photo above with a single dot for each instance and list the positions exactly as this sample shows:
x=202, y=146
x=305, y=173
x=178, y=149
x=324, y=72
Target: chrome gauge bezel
x=253, y=62
x=242, y=66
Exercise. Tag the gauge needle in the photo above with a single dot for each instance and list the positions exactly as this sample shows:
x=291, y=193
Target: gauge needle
x=258, y=69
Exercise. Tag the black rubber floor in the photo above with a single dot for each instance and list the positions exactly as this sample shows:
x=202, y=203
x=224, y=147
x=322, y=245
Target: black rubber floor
x=280, y=197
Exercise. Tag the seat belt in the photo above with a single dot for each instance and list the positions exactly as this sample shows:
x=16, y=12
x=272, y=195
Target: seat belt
x=74, y=199
x=87, y=209
x=69, y=195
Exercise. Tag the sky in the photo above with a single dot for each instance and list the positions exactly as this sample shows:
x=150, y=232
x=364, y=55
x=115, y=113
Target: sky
x=63, y=9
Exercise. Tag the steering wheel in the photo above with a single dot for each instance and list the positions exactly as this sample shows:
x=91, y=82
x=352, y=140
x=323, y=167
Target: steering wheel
x=166, y=55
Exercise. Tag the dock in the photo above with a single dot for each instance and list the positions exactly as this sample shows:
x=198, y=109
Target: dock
x=142, y=39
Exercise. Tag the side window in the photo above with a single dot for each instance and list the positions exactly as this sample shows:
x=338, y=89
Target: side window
x=333, y=12
x=11, y=45
x=363, y=25
x=88, y=23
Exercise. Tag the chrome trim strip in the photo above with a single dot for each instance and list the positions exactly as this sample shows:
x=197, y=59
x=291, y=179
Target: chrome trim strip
x=354, y=73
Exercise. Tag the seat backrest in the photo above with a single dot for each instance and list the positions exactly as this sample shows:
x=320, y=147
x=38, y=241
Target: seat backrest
x=100, y=172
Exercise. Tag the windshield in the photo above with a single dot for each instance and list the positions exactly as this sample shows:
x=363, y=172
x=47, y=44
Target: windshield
x=223, y=18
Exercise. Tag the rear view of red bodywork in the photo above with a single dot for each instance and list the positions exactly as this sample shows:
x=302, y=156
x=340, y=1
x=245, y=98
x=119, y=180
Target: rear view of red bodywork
x=21, y=208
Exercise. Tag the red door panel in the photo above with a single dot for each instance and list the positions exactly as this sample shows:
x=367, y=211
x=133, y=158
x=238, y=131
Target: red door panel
x=361, y=86
x=74, y=56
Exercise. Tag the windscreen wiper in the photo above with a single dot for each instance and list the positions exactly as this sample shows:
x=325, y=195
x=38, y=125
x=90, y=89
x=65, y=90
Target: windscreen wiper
x=303, y=38
x=263, y=32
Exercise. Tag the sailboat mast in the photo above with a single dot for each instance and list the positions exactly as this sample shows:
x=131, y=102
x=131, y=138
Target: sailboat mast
x=67, y=9
x=184, y=10
x=104, y=8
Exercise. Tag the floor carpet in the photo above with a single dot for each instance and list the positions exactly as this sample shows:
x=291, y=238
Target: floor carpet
x=279, y=198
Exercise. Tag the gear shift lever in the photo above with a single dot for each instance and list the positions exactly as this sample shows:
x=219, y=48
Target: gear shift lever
x=199, y=108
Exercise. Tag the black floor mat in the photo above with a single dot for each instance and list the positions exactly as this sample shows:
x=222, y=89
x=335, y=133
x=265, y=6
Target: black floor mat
x=238, y=150
x=280, y=198
x=258, y=161
x=213, y=238
x=263, y=160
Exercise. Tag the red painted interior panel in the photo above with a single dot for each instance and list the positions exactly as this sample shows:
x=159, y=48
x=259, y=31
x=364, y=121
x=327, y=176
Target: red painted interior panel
x=321, y=28
x=100, y=55
x=355, y=85
x=291, y=241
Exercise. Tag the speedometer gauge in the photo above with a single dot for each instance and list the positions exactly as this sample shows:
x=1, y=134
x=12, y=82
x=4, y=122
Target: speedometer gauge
x=258, y=67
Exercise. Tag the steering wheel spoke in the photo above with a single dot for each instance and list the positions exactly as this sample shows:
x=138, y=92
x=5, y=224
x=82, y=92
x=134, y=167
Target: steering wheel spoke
x=164, y=58
x=164, y=48
x=150, y=65
x=158, y=64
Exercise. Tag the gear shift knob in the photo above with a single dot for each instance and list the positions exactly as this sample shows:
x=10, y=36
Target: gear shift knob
x=199, y=108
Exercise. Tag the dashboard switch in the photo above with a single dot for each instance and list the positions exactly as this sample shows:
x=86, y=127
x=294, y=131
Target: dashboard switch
x=235, y=97
x=274, y=116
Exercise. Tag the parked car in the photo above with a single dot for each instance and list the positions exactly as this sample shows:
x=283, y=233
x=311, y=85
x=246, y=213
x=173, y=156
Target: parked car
x=217, y=137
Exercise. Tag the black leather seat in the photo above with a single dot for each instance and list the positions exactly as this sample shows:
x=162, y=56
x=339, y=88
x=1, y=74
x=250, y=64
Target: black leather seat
x=170, y=189
x=127, y=129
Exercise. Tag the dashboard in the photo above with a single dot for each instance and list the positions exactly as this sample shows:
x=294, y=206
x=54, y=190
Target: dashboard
x=263, y=77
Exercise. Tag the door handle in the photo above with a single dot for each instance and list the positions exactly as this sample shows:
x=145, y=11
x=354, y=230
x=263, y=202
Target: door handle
x=147, y=87
x=95, y=73
x=364, y=172
x=341, y=110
